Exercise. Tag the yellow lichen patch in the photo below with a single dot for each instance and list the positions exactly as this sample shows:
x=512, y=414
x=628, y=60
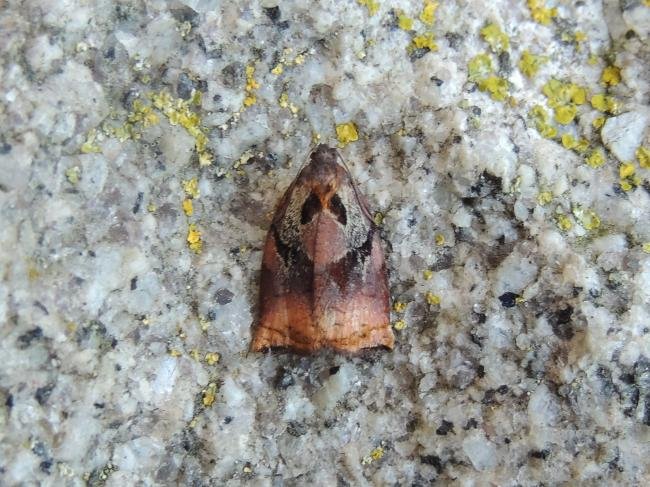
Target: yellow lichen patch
x=399, y=306
x=544, y=198
x=251, y=85
x=432, y=299
x=559, y=93
x=72, y=175
x=611, y=76
x=595, y=159
x=143, y=114
x=404, y=22
x=565, y=114
x=564, y=98
x=399, y=325
x=579, y=36
x=89, y=146
x=598, y=122
x=204, y=323
x=151, y=208
x=179, y=112
x=174, y=353
x=299, y=59
x=373, y=456
x=278, y=70
x=424, y=41
x=563, y=222
x=643, y=156
x=211, y=358
x=209, y=394
x=495, y=37
x=587, y=218
x=582, y=146
x=540, y=117
x=496, y=86
x=529, y=63
x=628, y=180
x=188, y=207
x=191, y=188
x=378, y=218
x=626, y=170
x=440, y=239
x=346, y=133
x=194, y=239
x=479, y=67
x=646, y=247
x=569, y=141
x=284, y=102
x=605, y=103
x=194, y=353
x=427, y=274
x=540, y=13
x=428, y=14
x=371, y=5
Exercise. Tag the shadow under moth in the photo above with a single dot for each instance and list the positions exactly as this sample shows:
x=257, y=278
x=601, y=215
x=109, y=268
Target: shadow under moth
x=323, y=281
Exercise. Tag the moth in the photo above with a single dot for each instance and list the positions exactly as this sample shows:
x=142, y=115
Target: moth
x=323, y=280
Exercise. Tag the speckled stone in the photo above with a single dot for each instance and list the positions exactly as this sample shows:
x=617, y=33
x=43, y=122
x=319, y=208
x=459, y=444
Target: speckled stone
x=525, y=353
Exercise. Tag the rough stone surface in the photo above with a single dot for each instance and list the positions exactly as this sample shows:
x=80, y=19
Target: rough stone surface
x=525, y=356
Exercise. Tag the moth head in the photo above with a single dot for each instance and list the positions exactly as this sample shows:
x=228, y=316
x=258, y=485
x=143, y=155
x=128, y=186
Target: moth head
x=324, y=194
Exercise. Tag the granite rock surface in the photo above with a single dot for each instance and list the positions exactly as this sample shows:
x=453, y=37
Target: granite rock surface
x=505, y=148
